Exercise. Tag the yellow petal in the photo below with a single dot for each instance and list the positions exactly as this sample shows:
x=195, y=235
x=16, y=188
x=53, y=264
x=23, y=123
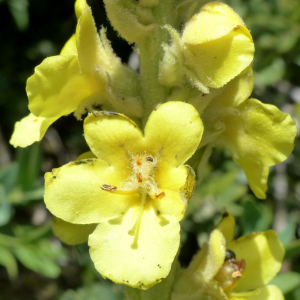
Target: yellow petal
x=217, y=62
x=217, y=45
x=80, y=5
x=263, y=254
x=72, y=234
x=206, y=264
x=73, y=192
x=29, y=130
x=233, y=93
x=174, y=130
x=226, y=226
x=88, y=42
x=257, y=176
x=58, y=86
x=114, y=138
x=70, y=47
x=172, y=178
x=258, y=134
x=139, y=263
x=171, y=204
x=270, y=292
x=88, y=154
x=214, y=20
x=262, y=133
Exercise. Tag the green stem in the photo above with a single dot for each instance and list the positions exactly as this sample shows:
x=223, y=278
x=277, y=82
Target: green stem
x=150, y=53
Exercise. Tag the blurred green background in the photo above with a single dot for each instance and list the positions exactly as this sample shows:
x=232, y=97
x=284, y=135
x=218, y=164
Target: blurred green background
x=36, y=265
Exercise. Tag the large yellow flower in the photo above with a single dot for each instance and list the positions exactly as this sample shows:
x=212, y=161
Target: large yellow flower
x=235, y=270
x=86, y=75
x=257, y=135
x=214, y=47
x=136, y=190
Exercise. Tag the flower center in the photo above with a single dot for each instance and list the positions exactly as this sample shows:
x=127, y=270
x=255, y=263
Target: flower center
x=230, y=272
x=141, y=180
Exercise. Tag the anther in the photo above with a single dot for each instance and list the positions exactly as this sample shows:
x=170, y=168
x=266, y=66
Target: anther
x=138, y=160
x=139, y=177
x=107, y=187
x=160, y=195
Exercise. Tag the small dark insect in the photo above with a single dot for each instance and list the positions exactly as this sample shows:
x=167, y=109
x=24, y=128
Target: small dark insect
x=107, y=187
x=149, y=158
x=229, y=254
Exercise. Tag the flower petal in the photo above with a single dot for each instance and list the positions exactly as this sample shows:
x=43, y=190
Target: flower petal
x=214, y=20
x=72, y=234
x=139, y=264
x=73, y=192
x=171, y=204
x=80, y=5
x=257, y=176
x=29, y=130
x=70, y=47
x=114, y=138
x=205, y=264
x=88, y=42
x=226, y=226
x=263, y=254
x=258, y=134
x=58, y=86
x=218, y=61
x=174, y=130
x=270, y=292
x=222, y=48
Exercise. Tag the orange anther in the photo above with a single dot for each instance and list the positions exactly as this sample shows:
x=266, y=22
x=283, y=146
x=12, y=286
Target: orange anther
x=236, y=275
x=160, y=195
x=139, y=177
x=138, y=160
x=107, y=187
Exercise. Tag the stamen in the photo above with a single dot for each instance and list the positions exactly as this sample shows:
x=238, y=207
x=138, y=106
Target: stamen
x=134, y=231
x=160, y=195
x=138, y=160
x=107, y=187
x=139, y=177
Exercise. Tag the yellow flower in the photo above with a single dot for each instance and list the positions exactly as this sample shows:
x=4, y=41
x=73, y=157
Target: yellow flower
x=85, y=76
x=258, y=135
x=217, y=46
x=235, y=270
x=136, y=190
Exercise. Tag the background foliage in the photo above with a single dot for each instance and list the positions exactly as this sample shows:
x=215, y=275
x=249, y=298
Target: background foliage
x=36, y=265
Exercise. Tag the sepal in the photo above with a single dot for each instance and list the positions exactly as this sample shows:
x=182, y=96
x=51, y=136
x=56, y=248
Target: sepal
x=132, y=21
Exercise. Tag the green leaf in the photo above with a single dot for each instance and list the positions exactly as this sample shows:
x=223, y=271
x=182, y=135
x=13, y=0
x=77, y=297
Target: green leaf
x=30, y=165
x=19, y=11
x=288, y=233
x=9, y=175
x=287, y=281
x=93, y=292
x=9, y=262
x=40, y=257
x=292, y=249
x=5, y=207
x=256, y=216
